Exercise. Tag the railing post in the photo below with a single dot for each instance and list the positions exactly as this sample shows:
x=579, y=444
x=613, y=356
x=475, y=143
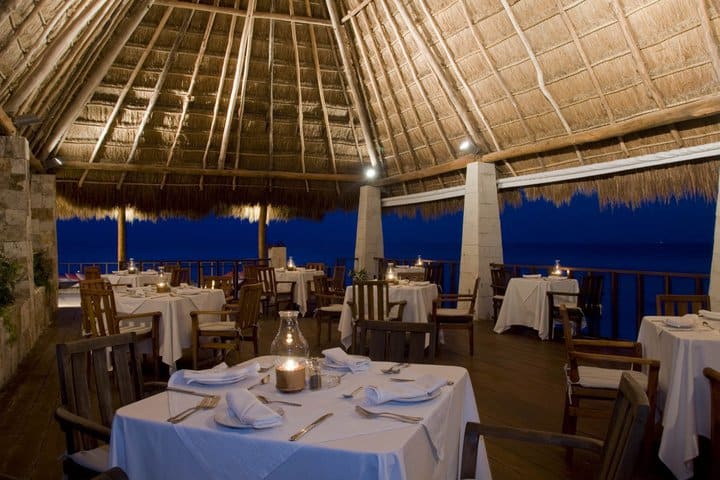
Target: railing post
x=639, y=300
x=615, y=304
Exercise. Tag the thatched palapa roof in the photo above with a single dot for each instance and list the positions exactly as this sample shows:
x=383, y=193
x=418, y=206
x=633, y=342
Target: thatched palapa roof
x=188, y=107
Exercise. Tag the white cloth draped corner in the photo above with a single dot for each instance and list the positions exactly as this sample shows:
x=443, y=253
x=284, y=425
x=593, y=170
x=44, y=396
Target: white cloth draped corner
x=709, y=315
x=248, y=410
x=685, y=321
x=338, y=357
x=423, y=386
x=219, y=374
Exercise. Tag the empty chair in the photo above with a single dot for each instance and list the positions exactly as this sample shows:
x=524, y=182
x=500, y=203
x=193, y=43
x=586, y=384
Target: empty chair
x=593, y=374
x=679, y=305
x=461, y=316
x=434, y=273
x=371, y=301
x=220, y=282
x=279, y=294
x=315, y=266
x=328, y=306
x=587, y=310
x=337, y=282
x=714, y=377
x=397, y=341
x=619, y=452
x=499, y=278
x=91, y=272
x=229, y=327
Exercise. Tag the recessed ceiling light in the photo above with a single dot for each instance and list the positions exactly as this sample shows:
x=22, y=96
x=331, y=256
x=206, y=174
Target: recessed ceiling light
x=466, y=145
x=370, y=172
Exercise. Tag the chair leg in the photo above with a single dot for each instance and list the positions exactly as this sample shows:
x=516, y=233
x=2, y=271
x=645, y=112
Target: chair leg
x=329, y=322
x=569, y=425
x=471, y=332
x=318, y=322
x=195, y=345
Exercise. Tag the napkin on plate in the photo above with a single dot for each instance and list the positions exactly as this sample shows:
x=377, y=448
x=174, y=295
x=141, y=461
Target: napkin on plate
x=532, y=275
x=423, y=386
x=709, y=315
x=248, y=410
x=338, y=357
x=685, y=321
x=221, y=374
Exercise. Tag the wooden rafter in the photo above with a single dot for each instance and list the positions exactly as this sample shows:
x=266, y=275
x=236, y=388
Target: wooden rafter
x=372, y=78
x=710, y=40
x=241, y=106
x=235, y=12
x=271, y=78
x=210, y=172
x=355, y=10
x=298, y=83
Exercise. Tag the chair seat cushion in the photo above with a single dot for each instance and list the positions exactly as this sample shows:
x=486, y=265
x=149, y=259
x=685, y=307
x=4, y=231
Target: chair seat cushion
x=499, y=297
x=453, y=315
x=96, y=459
x=597, y=377
x=138, y=329
x=217, y=326
x=332, y=308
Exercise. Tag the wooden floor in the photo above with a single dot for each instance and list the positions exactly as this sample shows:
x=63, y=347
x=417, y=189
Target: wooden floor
x=517, y=379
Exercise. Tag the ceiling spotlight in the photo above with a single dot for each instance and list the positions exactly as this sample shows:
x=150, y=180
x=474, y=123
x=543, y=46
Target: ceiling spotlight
x=466, y=145
x=52, y=163
x=370, y=173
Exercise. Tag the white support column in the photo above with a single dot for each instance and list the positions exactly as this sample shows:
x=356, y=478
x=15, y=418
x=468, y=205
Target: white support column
x=481, y=234
x=369, y=237
x=714, y=288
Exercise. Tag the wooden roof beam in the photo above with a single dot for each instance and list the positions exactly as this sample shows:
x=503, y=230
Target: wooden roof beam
x=301, y=116
x=321, y=22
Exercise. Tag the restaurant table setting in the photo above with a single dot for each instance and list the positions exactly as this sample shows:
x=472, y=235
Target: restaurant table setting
x=385, y=429
x=684, y=346
x=419, y=296
x=175, y=306
x=526, y=302
x=122, y=277
x=300, y=276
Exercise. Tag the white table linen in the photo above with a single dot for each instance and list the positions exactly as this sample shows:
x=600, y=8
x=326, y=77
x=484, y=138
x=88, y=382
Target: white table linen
x=410, y=272
x=346, y=445
x=300, y=276
x=683, y=390
x=417, y=309
x=132, y=279
x=175, y=324
x=526, y=302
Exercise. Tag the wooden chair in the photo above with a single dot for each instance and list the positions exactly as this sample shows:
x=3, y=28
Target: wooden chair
x=618, y=452
x=499, y=278
x=714, y=377
x=588, y=308
x=315, y=266
x=397, y=341
x=679, y=305
x=434, y=274
x=272, y=295
x=220, y=282
x=593, y=372
x=371, y=301
x=100, y=317
x=90, y=392
x=329, y=306
x=115, y=473
x=250, y=274
x=337, y=282
x=178, y=274
x=92, y=272
x=456, y=318
x=237, y=323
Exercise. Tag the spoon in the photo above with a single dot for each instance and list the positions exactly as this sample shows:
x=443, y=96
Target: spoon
x=352, y=394
x=262, y=381
x=265, y=400
x=395, y=368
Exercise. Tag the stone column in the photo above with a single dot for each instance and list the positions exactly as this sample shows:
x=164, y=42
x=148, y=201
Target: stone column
x=481, y=234
x=714, y=288
x=44, y=231
x=369, y=237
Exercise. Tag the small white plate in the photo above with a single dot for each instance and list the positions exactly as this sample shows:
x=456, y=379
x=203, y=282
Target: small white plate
x=217, y=381
x=227, y=420
x=420, y=398
x=336, y=366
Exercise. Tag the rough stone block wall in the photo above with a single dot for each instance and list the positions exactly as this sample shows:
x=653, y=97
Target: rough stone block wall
x=44, y=228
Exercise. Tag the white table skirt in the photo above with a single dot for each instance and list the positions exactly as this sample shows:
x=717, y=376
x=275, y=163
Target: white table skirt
x=526, y=302
x=175, y=324
x=344, y=446
x=419, y=306
x=133, y=280
x=300, y=277
x=683, y=390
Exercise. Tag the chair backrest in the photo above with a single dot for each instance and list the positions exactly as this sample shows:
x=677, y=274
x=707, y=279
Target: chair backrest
x=248, y=305
x=714, y=377
x=370, y=300
x=250, y=273
x=99, y=311
x=266, y=276
x=434, y=273
x=92, y=272
x=315, y=266
x=89, y=328
x=222, y=282
x=338, y=278
x=678, y=305
x=590, y=294
x=499, y=278
x=95, y=393
x=470, y=300
x=398, y=341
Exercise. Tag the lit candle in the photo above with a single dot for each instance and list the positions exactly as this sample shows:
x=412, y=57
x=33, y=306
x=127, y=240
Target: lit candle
x=290, y=376
x=212, y=285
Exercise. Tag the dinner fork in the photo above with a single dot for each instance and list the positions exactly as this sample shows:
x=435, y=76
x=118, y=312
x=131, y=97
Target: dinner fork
x=206, y=403
x=394, y=416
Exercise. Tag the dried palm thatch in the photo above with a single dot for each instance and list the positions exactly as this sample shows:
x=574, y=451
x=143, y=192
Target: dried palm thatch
x=179, y=107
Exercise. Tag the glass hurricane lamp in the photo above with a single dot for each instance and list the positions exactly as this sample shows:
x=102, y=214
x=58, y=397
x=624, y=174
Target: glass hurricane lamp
x=291, y=352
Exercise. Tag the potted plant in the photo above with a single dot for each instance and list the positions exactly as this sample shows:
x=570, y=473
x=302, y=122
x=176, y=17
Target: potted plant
x=9, y=274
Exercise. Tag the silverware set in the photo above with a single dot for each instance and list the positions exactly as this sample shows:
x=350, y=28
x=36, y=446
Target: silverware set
x=395, y=416
x=207, y=403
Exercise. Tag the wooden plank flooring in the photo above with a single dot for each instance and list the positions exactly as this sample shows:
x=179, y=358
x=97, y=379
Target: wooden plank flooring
x=517, y=379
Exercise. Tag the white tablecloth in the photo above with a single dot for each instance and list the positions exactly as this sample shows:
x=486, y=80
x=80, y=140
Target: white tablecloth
x=419, y=306
x=133, y=280
x=300, y=277
x=526, y=302
x=684, y=392
x=344, y=446
x=175, y=324
x=410, y=272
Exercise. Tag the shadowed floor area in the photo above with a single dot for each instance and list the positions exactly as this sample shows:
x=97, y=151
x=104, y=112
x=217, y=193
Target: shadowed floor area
x=517, y=380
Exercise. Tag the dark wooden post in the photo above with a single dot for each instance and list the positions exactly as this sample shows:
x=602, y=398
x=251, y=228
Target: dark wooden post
x=121, y=238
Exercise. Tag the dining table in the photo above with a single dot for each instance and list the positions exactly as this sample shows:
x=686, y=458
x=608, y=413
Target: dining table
x=346, y=444
x=684, y=346
x=410, y=272
x=526, y=302
x=175, y=306
x=300, y=276
x=148, y=277
x=419, y=296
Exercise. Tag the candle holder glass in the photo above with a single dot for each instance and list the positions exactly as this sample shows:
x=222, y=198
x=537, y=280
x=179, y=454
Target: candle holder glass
x=390, y=274
x=132, y=269
x=291, y=352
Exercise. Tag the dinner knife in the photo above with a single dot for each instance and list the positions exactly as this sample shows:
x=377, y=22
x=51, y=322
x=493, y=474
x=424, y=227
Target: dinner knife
x=314, y=424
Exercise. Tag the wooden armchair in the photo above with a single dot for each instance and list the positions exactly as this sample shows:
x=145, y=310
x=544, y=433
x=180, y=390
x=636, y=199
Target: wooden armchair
x=337, y=282
x=459, y=317
x=618, y=452
x=397, y=341
x=434, y=274
x=499, y=278
x=91, y=272
x=588, y=308
x=679, y=305
x=221, y=282
x=100, y=317
x=371, y=301
x=90, y=392
x=273, y=296
x=714, y=377
x=237, y=323
x=593, y=372
x=328, y=306
x=319, y=266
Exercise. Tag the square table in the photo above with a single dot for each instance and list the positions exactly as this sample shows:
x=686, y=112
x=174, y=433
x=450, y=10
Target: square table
x=346, y=445
x=683, y=390
x=526, y=302
x=300, y=276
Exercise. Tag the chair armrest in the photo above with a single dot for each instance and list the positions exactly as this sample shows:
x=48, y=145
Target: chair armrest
x=605, y=343
x=535, y=436
x=130, y=316
x=329, y=298
x=567, y=294
x=598, y=357
x=70, y=421
x=401, y=307
x=448, y=297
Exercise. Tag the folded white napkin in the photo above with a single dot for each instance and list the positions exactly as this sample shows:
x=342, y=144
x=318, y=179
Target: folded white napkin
x=248, y=410
x=682, y=322
x=532, y=275
x=221, y=374
x=339, y=358
x=709, y=315
x=423, y=386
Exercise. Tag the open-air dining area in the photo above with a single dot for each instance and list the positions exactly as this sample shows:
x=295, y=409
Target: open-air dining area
x=363, y=239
